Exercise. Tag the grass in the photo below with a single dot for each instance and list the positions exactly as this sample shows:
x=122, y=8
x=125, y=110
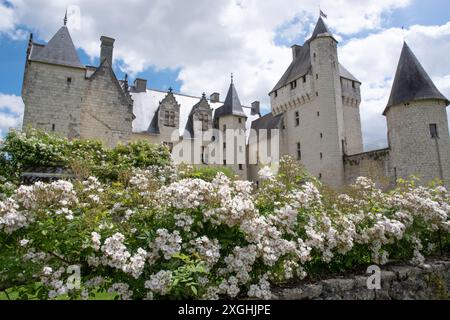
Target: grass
x=13, y=294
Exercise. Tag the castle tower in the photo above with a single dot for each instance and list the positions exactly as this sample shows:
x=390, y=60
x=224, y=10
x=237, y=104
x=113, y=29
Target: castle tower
x=417, y=123
x=54, y=82
x=320, y=102
x=230, y=119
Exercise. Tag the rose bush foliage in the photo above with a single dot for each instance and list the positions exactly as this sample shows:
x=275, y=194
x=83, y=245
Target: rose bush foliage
x=159, y=235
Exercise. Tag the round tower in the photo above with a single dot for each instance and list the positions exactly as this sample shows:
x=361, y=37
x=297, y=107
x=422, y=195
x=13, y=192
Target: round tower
x=418, y=132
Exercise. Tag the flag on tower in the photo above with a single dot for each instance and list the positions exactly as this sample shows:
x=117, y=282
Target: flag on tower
x=322, y=14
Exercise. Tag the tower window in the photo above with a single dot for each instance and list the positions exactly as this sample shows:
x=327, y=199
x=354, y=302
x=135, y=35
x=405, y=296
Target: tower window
x=299, y=151
x=318, y=113
x=434, y=131
x=320, y=176
x=241, y=167
x=304, y=79
x=321, y=135
x=317, y=93
x=53, y=127
x=317, y=76
x=297, y=118
x=69, y=80
x=293, y=84
x=321, y=155
x=276, y=93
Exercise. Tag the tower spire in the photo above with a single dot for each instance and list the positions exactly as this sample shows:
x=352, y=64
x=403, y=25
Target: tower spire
x=232, y=78
x=65, y=18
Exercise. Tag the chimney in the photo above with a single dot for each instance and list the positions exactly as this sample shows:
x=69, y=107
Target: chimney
x=295, y=49
x=256, y=109
x=107, y=48
x=140, y=85
x=215, y=97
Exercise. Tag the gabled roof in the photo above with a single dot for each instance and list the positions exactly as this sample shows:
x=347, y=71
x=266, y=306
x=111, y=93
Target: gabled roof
x=269, y=121
x=301, y=65
x=59, y=50
x=231, y=106
x=203, y=103
x=412, y=83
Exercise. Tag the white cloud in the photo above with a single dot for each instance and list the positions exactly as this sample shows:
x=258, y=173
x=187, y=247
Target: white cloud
x=374, y=59
x=206, y=40
x=11, y=112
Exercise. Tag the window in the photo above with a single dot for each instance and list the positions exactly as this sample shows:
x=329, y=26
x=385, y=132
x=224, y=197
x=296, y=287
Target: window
x=320, y=176
x=204, y=119
x=317, y=76
x=224, y=162
x=297, y=118
x=434, y=131
x=299, y=151
x=240, y=120
x=53, y=127
x=304, y=79
x=241, y=167
x=321, y=135
x=276, y=93
x=204, y=155
x=169, y=119
x=353, y=85
x=224, y=127
x=224, y=145
x=317, y=93
x=293, y=84
x=321, y=155
x=69, y=80
x=318, y=113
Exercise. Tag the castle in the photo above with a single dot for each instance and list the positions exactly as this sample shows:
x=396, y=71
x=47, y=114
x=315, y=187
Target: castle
x=314, y=111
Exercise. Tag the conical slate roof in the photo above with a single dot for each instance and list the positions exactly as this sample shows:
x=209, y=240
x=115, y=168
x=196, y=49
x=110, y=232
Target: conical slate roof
x=302, y=63
x=412, y=83
x=232, y=105
x=59, y=50
x=320, y=28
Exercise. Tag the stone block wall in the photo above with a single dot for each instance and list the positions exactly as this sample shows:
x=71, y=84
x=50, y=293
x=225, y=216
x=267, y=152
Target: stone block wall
x=400, y=282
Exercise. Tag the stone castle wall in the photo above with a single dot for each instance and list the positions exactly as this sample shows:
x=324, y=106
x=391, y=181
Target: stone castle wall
x=53, y=97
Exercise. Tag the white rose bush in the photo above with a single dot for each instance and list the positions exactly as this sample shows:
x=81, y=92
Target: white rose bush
x=162, y=234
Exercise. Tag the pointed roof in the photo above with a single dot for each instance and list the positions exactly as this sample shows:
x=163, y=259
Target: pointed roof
x=412, y=83
x=203, y=103
x=232, y=105
x=320, y=28
x=301, y=65
x=59, y=50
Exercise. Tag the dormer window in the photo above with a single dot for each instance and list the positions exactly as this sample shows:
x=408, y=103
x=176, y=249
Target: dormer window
x=204, y=119
x=169, y=119
x=353, y=84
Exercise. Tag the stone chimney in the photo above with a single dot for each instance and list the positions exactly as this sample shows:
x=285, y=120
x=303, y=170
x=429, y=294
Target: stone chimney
x=107, y=48
x=140, y=85
x=256, y=108
x=215, y=97
x=295, y=49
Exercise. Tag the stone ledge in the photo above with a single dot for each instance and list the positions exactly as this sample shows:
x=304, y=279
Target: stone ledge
x=398, y=282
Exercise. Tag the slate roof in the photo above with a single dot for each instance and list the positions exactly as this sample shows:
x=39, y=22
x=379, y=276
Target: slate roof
x=231, y=106
x=59, y=50
x=412, y=83
x=190, y=122
x=302, y=62
x=269, y=121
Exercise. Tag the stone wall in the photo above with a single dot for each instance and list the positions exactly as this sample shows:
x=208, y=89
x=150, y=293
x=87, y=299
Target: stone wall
x=373, y=164
x=400, y=282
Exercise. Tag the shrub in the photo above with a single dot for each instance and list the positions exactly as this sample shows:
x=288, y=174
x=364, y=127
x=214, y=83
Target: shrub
x=160, y=235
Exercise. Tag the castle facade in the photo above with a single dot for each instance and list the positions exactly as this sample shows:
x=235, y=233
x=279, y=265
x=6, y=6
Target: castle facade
x=314, y=112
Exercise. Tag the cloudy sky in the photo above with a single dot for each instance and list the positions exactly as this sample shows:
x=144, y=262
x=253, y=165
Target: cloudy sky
x=194, y=45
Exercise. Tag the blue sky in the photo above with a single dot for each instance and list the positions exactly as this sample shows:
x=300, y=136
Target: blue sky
x=194, y=47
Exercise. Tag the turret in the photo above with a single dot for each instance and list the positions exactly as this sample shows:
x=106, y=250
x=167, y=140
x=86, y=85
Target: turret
x=418, y=132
